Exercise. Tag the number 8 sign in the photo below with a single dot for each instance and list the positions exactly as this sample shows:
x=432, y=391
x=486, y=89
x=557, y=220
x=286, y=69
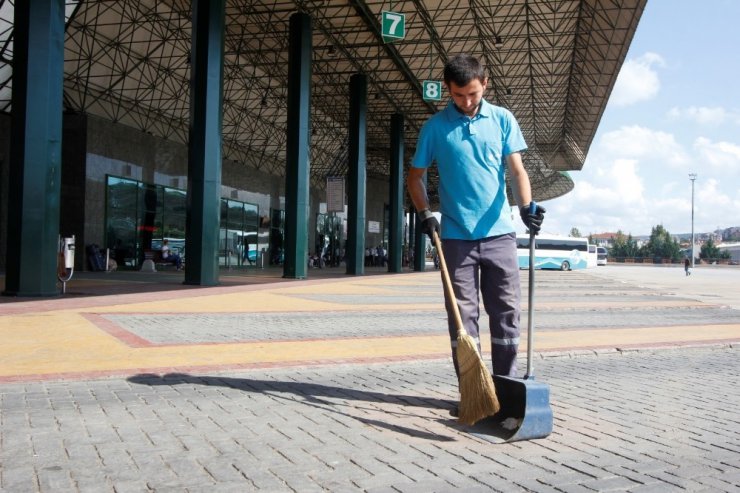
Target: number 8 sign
x=432, y=90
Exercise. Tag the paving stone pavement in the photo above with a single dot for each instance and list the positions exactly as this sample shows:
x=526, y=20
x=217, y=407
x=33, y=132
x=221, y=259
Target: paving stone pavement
x=661, y=420
x=128, y=386
x=611, y=304
x=228, y=327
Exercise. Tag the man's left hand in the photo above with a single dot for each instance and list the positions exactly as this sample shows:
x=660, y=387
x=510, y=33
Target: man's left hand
x=533, y=221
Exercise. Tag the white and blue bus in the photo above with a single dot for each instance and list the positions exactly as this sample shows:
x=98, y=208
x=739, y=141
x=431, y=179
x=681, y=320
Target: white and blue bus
x=554, y=252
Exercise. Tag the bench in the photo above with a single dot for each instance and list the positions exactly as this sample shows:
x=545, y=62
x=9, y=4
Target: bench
x=153, y=260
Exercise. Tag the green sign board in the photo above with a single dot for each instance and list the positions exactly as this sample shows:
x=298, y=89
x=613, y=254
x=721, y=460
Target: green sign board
x=393, y=26
x=432, y=90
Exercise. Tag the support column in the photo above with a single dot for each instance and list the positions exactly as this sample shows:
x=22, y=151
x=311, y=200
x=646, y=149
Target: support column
x=204, y=149
x=298, y=165
x=420, y=243
x=395, y=231
x=412, y=235
x=357, y=174
x=35, y=149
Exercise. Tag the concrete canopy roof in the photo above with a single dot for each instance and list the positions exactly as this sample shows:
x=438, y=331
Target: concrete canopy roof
x=552, y=63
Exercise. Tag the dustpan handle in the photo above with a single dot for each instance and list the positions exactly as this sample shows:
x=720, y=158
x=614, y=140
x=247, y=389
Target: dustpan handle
x=448, y=285
x=530, y=299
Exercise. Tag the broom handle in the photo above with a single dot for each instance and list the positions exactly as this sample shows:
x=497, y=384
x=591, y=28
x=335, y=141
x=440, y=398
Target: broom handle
x=530, y=302
x=448, y=285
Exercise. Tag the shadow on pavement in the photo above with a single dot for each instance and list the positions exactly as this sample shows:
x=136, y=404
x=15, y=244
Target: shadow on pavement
x=312, y=393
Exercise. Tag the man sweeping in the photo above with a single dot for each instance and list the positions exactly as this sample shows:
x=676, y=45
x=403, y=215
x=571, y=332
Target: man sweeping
x=472, y=143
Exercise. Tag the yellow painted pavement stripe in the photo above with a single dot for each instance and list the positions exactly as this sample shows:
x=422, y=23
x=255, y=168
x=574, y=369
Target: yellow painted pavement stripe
x=64, y=343
x=580, y=338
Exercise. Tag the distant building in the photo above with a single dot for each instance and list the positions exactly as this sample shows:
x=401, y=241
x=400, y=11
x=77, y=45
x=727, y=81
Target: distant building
x=607, y=239
x=731, y=234
x=603, y=239
x=733, y=248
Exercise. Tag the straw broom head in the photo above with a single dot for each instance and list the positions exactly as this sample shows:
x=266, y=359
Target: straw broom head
x=477, y=393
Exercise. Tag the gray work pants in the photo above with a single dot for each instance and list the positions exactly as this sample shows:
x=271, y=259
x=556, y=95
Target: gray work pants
x=489, y=267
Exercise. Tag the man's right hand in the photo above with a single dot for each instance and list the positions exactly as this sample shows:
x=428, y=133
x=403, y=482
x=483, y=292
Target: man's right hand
x=429, y=223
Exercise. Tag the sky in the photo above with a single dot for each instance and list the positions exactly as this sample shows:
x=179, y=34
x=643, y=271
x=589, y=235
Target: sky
x=674, y=110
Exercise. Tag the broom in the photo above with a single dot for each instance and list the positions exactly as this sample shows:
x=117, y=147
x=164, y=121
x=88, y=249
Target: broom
x=477, y=393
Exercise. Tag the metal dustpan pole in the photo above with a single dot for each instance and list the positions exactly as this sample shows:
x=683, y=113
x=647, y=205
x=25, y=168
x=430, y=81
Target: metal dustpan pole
x=524, y=399
x=530, y=310
x=537, y=419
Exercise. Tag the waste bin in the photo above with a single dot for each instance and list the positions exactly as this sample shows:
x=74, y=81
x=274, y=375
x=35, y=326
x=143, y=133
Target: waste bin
x=67, y=248
x=66, y=261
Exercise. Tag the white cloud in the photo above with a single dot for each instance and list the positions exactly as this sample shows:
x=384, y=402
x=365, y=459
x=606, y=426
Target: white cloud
x=639, y=142
x=709, y=196
x=702, y=115
x=637, y=80
x=603, y=195
x=635, y=178
x=712, y=206
x=721, y=157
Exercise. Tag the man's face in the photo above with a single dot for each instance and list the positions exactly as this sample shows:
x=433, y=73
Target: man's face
x=467, y=98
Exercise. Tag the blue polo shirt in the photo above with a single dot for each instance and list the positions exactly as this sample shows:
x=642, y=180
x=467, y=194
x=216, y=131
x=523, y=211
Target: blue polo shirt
x=470, y=155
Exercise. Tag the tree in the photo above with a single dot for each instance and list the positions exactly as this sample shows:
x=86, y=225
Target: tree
x=623, y=246
x=710, y=251
x=661, y=244
x=574, y=233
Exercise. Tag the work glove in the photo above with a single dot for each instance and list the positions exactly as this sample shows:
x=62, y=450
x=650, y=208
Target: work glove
x=532, y=216
x=429, y=223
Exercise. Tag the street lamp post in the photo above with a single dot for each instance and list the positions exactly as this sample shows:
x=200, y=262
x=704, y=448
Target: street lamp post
x=692, y=177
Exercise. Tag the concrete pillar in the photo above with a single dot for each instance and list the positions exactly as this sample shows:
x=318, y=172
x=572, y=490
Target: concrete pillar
x=204, y=148
x=297, y=172
x=395, y=230
x=36, y=148
x=357, y=176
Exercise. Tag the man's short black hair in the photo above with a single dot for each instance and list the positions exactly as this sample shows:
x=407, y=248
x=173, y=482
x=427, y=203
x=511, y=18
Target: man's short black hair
x=462, y=69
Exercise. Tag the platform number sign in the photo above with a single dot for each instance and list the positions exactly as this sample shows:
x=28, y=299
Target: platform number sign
x=432, y=90
x=394, y=26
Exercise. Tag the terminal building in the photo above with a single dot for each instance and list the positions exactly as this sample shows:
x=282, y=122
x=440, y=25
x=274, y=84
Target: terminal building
x=249, y=132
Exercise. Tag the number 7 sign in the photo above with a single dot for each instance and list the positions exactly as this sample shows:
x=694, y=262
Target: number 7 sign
x=393, y=26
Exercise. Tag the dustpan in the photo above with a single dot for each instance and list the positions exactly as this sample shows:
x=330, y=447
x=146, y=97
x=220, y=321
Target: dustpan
x=525, y=404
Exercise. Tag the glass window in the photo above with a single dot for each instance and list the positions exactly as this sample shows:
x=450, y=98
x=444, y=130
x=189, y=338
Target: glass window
x=173, y=220
x=150, y=218
x=277, y=236
x=329, y=233
x=238, y=233
x=122, y=222
x=250, y=239
x=139, y=216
